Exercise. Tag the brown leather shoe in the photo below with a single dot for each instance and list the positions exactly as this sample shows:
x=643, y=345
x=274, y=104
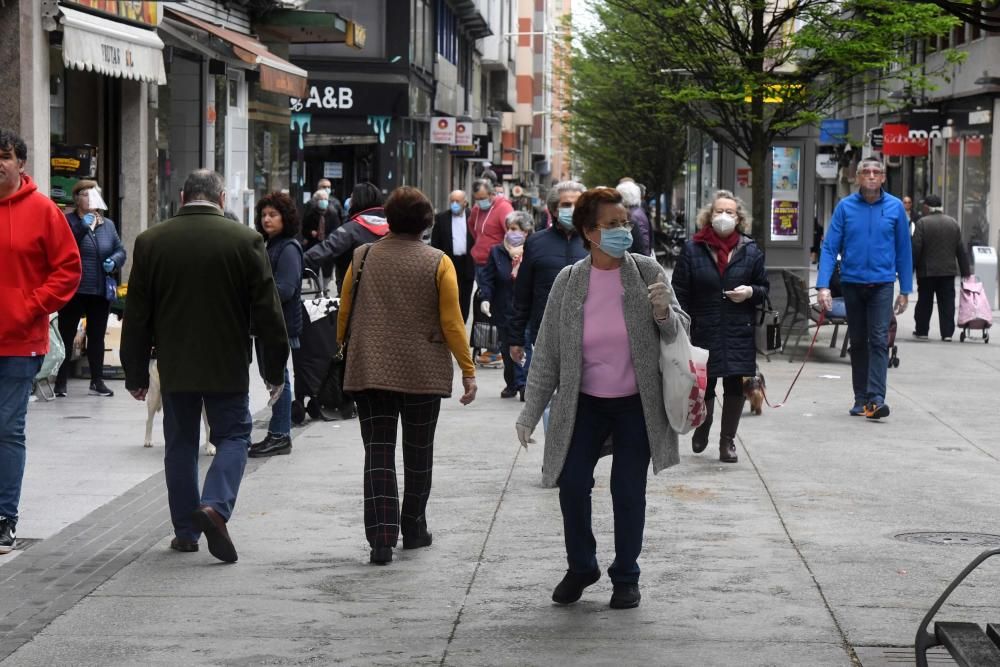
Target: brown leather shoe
x=214, y=526
x=177, y=544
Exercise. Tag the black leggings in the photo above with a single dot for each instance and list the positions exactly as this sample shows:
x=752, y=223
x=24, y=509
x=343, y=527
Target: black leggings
x=95, y=309
x=732, y=385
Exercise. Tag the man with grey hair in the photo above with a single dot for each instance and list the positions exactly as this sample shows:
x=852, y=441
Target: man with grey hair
x=545, y=255
x=870, y=232
x=938, y=256
x=632, y=199
x=452, y=236
x=197, y=283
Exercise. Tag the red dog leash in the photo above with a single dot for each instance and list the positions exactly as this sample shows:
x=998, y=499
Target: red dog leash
x=819, y=323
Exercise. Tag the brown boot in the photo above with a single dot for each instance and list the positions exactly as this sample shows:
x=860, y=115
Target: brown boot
x=732, y=410
x=699, y=441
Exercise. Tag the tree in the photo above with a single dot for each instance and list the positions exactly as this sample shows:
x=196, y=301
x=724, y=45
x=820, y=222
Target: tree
x=748, y=72
x=618, y=126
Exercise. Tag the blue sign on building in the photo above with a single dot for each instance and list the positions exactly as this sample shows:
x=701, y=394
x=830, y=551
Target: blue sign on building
x=833, y=131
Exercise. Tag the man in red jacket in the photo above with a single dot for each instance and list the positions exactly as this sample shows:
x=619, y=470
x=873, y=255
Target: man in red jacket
x=41, y=271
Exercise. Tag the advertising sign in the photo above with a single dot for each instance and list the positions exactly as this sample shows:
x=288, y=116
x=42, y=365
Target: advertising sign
x=146, y=11
x=785, y=171
x=443, y=130
x=463, y=133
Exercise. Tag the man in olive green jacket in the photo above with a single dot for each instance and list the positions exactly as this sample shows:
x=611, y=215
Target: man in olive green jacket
x=198, y=281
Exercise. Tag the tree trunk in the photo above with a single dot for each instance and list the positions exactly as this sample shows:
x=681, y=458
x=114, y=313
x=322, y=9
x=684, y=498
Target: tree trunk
x=761, y=179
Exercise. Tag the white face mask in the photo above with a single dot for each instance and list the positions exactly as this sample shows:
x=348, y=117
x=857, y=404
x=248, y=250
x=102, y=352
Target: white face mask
x=724, y=224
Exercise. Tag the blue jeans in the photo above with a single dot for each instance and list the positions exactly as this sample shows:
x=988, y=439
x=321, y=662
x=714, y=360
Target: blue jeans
x=281, y=413
x=596, y=419
x=869, y=311
x=16, y=376
x=229, y=422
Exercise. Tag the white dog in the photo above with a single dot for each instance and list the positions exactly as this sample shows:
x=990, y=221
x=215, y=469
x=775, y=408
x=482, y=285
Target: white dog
x=154, y=403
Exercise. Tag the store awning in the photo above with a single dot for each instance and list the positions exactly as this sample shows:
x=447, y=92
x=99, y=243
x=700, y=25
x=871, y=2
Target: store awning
x=302, y=26
x=276, y=74
x=96, y=44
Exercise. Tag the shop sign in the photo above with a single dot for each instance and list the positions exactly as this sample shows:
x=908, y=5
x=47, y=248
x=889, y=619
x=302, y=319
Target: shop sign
x=330, y=98
x=901, y=141
x=877, y=137
x=785, y=169
x=463, y=133
x=979, y=117
x=146, y=12
x=443, y=130
x=826, y=166
x=833, y=131
x=479, y=148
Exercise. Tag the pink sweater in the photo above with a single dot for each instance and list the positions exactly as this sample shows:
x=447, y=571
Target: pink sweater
x=607, y=359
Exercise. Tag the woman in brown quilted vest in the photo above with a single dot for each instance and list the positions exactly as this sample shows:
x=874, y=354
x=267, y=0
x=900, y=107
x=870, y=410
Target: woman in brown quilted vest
x=398, y=340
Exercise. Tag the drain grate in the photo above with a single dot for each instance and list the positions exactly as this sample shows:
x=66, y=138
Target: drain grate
x=949, y=539
x=76, y=417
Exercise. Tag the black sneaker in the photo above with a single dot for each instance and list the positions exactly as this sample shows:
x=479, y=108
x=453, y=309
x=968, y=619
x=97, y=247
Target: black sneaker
x=876, y=410
x=7, y=538
x=571, y=587
x=625, y=596
x=60, y=390
x=277, y=445
x=98, y=388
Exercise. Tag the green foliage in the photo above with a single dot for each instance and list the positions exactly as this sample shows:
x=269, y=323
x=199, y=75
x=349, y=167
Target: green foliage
x=748, y=72
x=618, y=124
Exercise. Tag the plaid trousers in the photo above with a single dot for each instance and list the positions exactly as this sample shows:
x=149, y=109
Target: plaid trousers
x=379, y=413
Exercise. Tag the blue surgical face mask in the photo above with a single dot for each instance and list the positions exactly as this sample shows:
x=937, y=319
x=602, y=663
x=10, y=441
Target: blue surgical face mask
x=515, y=238
x=347, y=205
x=566, y=217
x=616, y=242
x=323, y=204
x=484, y=204
x=456, y=208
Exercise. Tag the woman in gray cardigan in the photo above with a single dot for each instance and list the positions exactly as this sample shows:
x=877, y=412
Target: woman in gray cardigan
x=599, y=346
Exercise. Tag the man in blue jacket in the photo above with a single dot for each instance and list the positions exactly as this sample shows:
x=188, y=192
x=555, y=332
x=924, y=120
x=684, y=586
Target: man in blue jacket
x=546, y=253
x=870, y=232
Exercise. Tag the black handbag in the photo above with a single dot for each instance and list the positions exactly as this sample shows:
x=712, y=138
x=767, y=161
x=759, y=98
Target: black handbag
x=485, y=336
x=767, y=332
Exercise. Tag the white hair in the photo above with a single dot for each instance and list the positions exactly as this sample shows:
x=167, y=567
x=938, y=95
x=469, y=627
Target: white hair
x=630, y=192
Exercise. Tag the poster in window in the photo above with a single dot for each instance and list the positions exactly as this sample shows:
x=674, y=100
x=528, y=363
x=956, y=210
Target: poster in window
x=785, y=172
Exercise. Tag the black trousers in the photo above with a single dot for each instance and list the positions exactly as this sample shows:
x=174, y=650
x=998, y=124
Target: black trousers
x=942, y=287
x=732, y=385
x=95, y=309
x=379, y=413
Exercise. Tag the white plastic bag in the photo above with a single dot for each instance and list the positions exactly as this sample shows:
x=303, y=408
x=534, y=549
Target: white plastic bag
x=57, y=351
x=685, y=379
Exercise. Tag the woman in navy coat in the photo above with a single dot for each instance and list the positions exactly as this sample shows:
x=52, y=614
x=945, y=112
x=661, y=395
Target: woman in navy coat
x=496, y=287
x=719, y=280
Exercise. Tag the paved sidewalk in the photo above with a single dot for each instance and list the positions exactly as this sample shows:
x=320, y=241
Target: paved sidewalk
x=787, y=558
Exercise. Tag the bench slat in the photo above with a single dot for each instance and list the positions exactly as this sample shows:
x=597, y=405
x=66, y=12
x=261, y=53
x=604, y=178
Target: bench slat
x=968, y=644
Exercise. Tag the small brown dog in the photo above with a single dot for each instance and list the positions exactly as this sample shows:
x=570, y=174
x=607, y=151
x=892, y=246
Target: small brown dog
x=753, y=390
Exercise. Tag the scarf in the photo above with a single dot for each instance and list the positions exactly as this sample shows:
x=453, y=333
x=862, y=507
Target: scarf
x=721, y=246
x=515, y=257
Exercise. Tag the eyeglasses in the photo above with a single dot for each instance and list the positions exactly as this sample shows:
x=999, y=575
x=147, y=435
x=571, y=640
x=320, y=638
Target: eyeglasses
x=870, y=172
x=617, y=224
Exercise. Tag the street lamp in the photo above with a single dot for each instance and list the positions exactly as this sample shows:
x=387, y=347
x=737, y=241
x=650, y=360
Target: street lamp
x=987, y=80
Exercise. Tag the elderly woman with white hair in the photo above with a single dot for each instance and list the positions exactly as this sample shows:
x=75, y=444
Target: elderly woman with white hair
x=496, y=285
x=719, y=279
x=642, y=231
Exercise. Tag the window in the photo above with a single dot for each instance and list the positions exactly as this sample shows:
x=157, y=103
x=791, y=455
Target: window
x=958, y=35
x=447, y=33
x=422, y=34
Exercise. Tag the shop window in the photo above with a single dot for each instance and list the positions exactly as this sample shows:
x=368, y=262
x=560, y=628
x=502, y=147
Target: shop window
x=975, y=189
x=234, y=93
x=57, y=96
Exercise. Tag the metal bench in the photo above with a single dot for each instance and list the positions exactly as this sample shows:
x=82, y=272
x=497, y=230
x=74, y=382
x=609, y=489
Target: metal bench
x=802, y=309
x=967, y=643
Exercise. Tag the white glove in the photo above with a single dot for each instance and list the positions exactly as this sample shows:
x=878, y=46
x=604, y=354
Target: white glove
x=275, y=391
x=659, y=296
x=485, y=308
x=523, y=434
x=740, y=294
